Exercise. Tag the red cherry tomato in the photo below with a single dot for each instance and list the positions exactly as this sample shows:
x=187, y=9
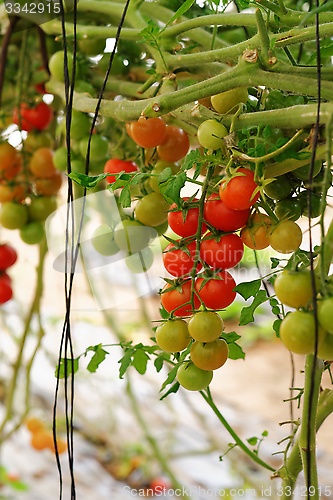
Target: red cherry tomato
x=180, y=261
x=218, y=215
x=238, y=192
x=177, y=300
x=223, y=252
x=6, y=292
x=217, y=292
x=115, y=166
x=37, y=118
x=184, y=223
x=8, y=256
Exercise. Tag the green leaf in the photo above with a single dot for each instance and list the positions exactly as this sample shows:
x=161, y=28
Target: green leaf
x=87, y=181
x=230, y=337
x=235, y=350
x=172, y=389
x=247, y=313
x=248, y=288
x=170, y=378
x=98, y=358
x=243, y=4
x=267, y=132
x=275, y=262
x=125, y=197
x=181, y=11
x=67, y=367
x=140, y=360
x=158, y=363
x=252, y=441
x=172, y=187
x=276, y=326
x=275, y=306
x=125, y=361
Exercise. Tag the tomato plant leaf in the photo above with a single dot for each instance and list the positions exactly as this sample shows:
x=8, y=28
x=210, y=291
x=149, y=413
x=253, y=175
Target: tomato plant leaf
x=248, y=288
x=171, y=187
x=67, y=367
x=140, y=360
x=98, y=358
x=125, y=197
x=247, y=313
x=172, y=389
x=181, y=11
x=159, y=361
x=252, y=440
x=235, y=350
x=276, y=326
x=170, y=378
x=274, y=262
x=125, y=361
x=87, y=181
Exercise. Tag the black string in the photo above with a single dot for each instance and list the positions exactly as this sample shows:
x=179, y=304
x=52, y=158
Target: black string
x=310, y=428
x=66, y=339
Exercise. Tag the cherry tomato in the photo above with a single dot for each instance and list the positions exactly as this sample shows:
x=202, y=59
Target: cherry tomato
x=152, y=209
x=211, y=134
x=177, y=300
x=185, y=222
x=193, y=378
x=303, y=173
x=325, y=313
x=290, y=208
x=56, y=65
x=10, y=161
x=285, y=237
x=218, y=215
x=222, y=252
x=13, y=192
x=205, y=326
x=6, y=292
x=32, y=233
x=41, y=163
x=103, y=240
x=279, y=188
x=179, y=259
x=209, y=355
x=228, y=101
x=50, y=185
x=131, y=236
x=115, y=166
x=325, y=349
x=216, y=292
x=8, y=256
x=41, y=207
x=13, y=215
x=255, y=234
x=148, y=132
x=37, y=118
x=175, y=145
x=294, y=288
x=239, y=192
x=140, y=262
x=98, y=147
x=172, y=335
x=297, y=332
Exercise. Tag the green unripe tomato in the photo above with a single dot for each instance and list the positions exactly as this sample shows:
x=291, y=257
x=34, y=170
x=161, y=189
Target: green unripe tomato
x=91, y=46
x=325, y=349
x=158, y=168
x=289, y=208
x=131, y=236
x=41, y=207
x=285, y=237
x=56, y=65
x=325, y=314
x=98, y=147
x=193, y=378
x=297, y=332
x=60, y=159
x=228, y=101
x=205, y=326
x=103, y=240
x=13, y=215
x=315, y=200
x=279, y=188
x=32, y=233
x=140, y=262
x=211, y=133
x=303, y=173
x=152, y=210
x=80, y=125
x=172, y=335
x=294, y=288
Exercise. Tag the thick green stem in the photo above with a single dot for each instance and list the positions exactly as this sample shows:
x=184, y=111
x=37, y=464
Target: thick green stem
x=207, y=397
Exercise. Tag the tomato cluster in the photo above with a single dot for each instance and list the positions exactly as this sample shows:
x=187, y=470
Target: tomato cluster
x=42, y=438
x=8, y=257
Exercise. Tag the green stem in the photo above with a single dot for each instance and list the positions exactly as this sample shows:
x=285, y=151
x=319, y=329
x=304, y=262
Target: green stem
x=307, y=439
x=208, y=398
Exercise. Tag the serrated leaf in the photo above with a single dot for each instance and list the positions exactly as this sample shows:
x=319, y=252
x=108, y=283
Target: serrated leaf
x=125, y=197
x=170, y=378
x=172, y=187
x=172, y=389
x=267, y=132
x=230, y=337
x=67, y=367
x=248, y=289
x=247, y=313
x=98, y=358
x=158, y=363
x=125, y=361
x=140, y=360
x=87, y=181
x=181, y=11
x=235, y=351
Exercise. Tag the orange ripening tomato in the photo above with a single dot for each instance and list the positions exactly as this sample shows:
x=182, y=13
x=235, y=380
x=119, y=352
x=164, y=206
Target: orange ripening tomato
x=255, y=234
x=175, y=145
x=148, y=132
